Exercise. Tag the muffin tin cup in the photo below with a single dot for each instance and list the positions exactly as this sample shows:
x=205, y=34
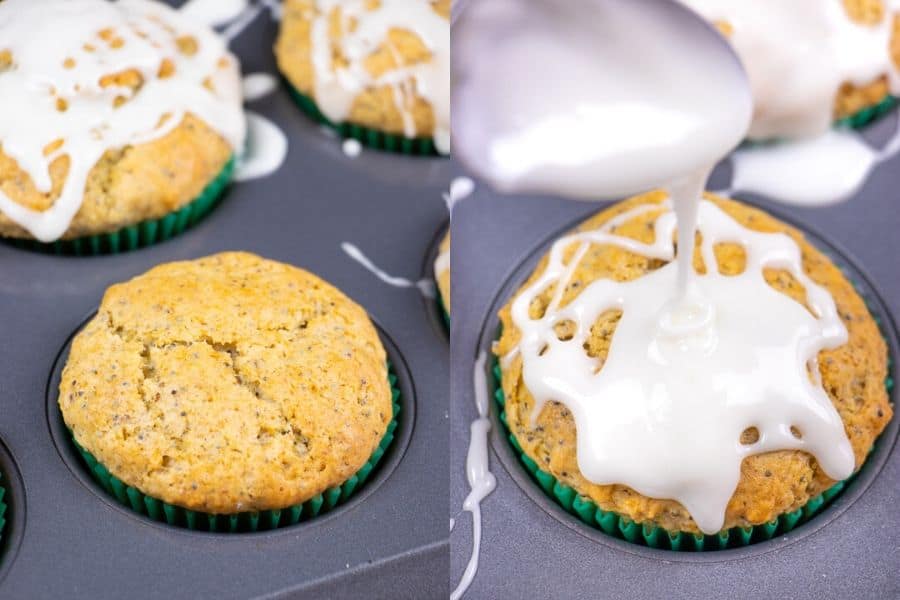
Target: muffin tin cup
x=254, y=521
x=143, y=234
x=526, y=530
x=372, y=138
x=3, y=508
x=647, y=534
x=654, y=536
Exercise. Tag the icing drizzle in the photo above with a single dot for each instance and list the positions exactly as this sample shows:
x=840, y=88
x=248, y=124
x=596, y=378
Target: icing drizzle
x=61, y=51
x=478, y=473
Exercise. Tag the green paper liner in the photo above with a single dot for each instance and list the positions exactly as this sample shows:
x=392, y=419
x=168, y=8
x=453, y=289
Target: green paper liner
x=443, y=308
x=870, y=114
x=653, y=536
x=265, y=520
x=140, y=235
x=647, y=534
x=420, y=146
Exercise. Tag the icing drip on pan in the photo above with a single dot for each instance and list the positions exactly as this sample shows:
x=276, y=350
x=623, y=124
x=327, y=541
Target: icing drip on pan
x=478, y=473
x=426, y=287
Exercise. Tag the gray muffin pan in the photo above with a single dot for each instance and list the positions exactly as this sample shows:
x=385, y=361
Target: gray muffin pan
x=67, y=538
x=533, y=548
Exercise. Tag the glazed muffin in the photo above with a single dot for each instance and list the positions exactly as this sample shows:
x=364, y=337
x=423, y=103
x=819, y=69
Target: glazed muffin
x=442, y=272
x=116, y=114
x=851, y=98
x=771, y=484
x=383, y=65
x=228, y=384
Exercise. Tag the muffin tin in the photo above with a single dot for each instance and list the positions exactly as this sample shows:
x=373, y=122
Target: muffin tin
x=65, y=537
x=532, y=547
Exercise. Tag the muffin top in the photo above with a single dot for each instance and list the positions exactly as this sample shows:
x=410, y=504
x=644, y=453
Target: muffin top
x=114, y=113
x=810, y=62
x=226, y=384
x=770, y=483
x=442, y=271
x=382, y=64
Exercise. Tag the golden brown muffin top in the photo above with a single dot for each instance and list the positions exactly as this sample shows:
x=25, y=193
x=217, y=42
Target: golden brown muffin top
x=771, y=484
x=228, y=383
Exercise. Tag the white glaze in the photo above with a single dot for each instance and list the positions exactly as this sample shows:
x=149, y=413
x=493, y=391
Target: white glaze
x=243, y=20
x=816, y=171
x=460, y=188
x=42, y=35
x=478, y=473
x=812, y=171
x=336, y=90
x=351, y=147
x=591, y=118
x=213, y=13
x=665, y=412
x=798, y=54
x=426, y=287
x=258, y=85
x=265, y=151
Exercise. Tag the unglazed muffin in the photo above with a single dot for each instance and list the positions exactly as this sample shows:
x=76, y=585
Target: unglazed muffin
x=228, y=384
x=771, y=484
x=116, y=114
x=442, y=271
x=392, y=78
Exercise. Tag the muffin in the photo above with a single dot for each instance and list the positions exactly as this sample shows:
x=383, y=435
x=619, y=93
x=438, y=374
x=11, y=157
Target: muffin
x=229, y=384
x=772, y=485
x=377, y=70
x=781, y=100
x=442, y=273
x=122, y=121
